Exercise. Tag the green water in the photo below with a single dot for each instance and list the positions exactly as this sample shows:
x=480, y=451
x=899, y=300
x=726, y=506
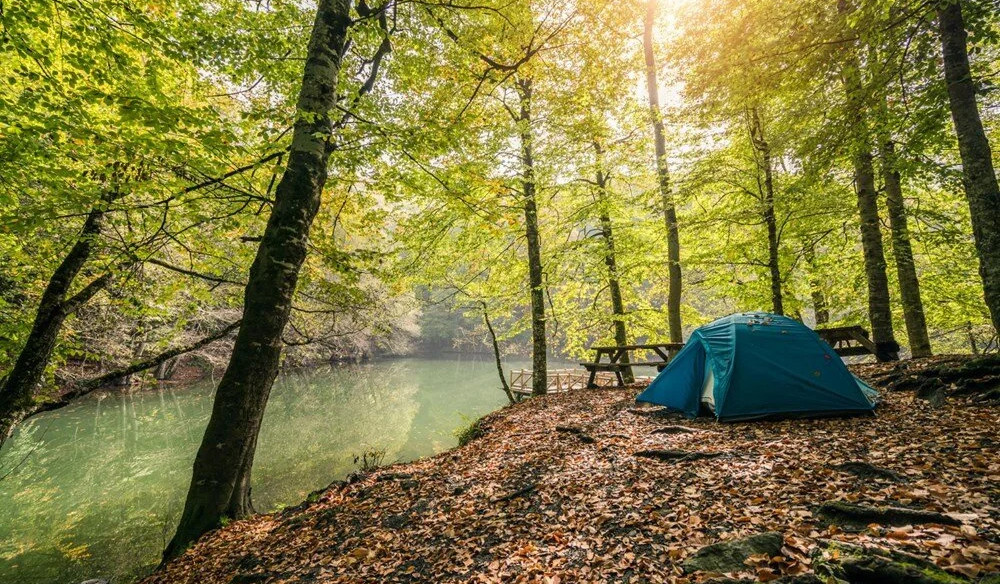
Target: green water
x=95, y=489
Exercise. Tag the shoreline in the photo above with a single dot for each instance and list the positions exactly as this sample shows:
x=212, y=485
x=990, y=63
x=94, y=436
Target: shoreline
x=528, y=500
x=194, y=373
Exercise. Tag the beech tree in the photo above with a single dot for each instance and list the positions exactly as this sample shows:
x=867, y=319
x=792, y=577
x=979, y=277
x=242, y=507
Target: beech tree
x=663, y=178
x=220, y=482
x=978, y=175
x=860, y=145
x=97, y=179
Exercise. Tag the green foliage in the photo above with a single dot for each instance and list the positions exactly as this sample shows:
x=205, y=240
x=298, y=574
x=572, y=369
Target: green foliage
x=156, y=102
x=456, y=192
x=173, y=118
x=472, y=431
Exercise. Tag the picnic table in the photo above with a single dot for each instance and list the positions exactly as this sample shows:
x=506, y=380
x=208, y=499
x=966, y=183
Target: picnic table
x=619, y=359
x=850, y=341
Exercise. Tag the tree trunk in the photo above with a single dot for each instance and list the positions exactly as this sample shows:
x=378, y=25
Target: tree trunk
x=17, y=395
x=820, y=308
x=539, y=379
x=496, y=355
x=663, y=179
x=978, y=175
x=906, y=270
x=611, y=261
x=765, y=164
x=220, y=484
x=972, y=338
x=879, y=309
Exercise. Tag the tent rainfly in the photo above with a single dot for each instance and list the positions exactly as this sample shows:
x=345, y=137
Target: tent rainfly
x=755, y=365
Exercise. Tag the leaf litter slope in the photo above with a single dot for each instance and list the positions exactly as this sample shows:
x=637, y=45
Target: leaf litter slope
x=529, y=503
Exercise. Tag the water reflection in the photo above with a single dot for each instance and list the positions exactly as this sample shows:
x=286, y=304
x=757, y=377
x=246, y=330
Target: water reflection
x=99, y=485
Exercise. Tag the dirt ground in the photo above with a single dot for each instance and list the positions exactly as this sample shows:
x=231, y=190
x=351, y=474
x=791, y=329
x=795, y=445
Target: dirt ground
x=553, y=492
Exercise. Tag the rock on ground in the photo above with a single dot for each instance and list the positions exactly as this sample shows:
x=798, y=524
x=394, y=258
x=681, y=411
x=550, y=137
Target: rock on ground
x=729, y=556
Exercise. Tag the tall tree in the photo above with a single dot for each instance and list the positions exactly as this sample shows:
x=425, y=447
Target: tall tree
x=978, y=175
x=220, y=483
x=879, y=307
x=517, y=41
x=663, y=179
x=539, y=368
x=902, y=251
x=816, y=293
x=610, y=257
x=765, y=164
x=880, y=56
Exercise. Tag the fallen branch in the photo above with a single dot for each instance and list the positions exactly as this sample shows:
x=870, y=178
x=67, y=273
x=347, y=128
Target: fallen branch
x=677, y=455
x=518, y=493
x=675, y=430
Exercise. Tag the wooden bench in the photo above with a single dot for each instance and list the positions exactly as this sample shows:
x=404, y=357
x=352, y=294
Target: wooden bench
x=619, y=360
x=849, y=341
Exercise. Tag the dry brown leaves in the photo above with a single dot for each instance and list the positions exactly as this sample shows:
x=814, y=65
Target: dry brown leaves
x=596, y=513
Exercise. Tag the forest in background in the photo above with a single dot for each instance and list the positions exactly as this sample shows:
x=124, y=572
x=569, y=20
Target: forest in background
x=568, y=172
x=171, y=121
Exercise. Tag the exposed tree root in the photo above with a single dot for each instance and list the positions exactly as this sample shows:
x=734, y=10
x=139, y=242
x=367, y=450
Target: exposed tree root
x=958, y=376
x=654, y=412
x=849, y=514
x=730, y=556
x=857, y=564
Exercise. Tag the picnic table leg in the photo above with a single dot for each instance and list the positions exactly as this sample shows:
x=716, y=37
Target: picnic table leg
x=593, y=376
x=865, y=341
x=622, y=358
x=621, y=380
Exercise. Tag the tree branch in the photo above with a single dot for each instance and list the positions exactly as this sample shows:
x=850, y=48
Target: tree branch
x=84, y=387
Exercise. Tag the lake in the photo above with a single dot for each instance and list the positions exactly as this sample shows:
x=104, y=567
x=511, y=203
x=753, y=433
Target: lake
x=95, y=489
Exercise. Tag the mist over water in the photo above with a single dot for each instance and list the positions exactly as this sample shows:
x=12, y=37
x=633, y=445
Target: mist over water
x=97, y=487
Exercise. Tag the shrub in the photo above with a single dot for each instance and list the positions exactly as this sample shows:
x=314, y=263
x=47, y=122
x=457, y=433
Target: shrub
x=370, y=459
x=470, y=432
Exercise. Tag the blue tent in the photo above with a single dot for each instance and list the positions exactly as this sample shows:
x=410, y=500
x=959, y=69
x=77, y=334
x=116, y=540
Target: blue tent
x=754, y=365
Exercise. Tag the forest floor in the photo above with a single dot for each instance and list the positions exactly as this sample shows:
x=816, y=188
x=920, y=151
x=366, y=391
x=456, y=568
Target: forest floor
x=553, y=491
